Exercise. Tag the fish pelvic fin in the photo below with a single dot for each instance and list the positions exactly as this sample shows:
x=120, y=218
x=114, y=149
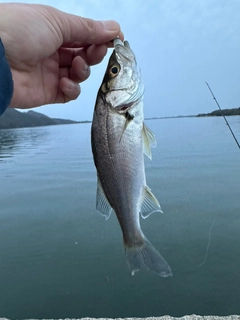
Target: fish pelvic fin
x=147, y=256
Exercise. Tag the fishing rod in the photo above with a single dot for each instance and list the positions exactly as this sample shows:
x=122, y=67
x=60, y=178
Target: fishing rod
x=223, y=116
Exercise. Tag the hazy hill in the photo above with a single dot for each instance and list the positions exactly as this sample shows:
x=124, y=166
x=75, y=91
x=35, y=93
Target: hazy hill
x=226, y=112
x=15, y=119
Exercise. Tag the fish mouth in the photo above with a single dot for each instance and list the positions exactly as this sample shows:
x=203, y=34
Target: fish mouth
x=118, y=42
x=124, y=49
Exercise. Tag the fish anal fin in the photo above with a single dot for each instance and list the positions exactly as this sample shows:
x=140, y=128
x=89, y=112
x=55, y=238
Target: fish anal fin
x=149, y=204
x=102, y=204
x=149, y=141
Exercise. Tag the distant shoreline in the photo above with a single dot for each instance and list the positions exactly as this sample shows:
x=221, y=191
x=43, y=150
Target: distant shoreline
x=215, y=113
x=13, y=119
x=218, y=113
x=170, y=117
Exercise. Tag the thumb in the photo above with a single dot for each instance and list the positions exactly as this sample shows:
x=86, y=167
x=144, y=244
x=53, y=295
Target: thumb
x=87, y=31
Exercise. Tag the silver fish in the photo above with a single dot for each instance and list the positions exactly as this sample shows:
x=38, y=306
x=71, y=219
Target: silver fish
x=119, y=141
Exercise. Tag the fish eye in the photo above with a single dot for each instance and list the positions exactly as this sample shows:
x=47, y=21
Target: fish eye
x=114, y=70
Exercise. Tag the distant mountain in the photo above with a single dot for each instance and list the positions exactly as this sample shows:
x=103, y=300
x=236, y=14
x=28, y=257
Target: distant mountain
x=226, y=112
x=15, y=119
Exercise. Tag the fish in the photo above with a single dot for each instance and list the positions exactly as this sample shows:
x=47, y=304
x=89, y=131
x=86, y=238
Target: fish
x=119, y=141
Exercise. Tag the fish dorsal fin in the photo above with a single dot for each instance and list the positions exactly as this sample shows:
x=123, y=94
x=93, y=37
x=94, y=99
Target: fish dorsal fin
x=102, y=204
x=149, y=204
x=149, y=141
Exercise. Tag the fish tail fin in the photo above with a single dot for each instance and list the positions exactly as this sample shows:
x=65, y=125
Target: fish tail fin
x=146, y=255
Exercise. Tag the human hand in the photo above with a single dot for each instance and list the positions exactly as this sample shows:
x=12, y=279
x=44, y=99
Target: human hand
x=50, y=51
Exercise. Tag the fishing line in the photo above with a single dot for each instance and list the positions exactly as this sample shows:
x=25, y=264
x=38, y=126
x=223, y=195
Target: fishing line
x=199, y=265
x=223, y=116
x=213, y=223
x=208, y=245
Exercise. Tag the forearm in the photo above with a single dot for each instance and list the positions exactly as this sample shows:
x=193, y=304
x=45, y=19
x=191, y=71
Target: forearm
x=6, y=82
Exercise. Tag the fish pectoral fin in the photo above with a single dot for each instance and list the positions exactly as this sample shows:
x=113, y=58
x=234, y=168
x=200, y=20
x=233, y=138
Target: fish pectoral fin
x=149, y=204
x=149, y=141
x=129, y=118
x=124, y=128
x=102, y=204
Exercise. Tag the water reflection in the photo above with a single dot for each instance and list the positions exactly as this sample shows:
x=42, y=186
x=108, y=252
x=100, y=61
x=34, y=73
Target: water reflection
x=15, y=141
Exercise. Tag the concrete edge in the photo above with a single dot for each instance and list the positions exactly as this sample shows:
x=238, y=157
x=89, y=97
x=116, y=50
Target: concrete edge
x=188, y=317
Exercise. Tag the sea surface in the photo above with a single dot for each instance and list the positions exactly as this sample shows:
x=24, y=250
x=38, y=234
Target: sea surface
x=59, y=258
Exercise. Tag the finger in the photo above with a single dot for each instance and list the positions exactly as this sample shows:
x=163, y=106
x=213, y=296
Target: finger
x=69, y=89
x=92, y=55
x=84, y=30
x=95, y=54
x=79, y=71
x=80, y=44
x=110, y=43
x=66, y=56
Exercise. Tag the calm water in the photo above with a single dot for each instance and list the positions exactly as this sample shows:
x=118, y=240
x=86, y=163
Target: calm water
x=59, y=258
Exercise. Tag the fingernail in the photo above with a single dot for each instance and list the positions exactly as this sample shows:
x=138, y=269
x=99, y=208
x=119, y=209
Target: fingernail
x=71, y=85
x=110, y=25
x=85, y=68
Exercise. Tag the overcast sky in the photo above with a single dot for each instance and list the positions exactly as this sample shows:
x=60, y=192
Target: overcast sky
x=179, y=44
